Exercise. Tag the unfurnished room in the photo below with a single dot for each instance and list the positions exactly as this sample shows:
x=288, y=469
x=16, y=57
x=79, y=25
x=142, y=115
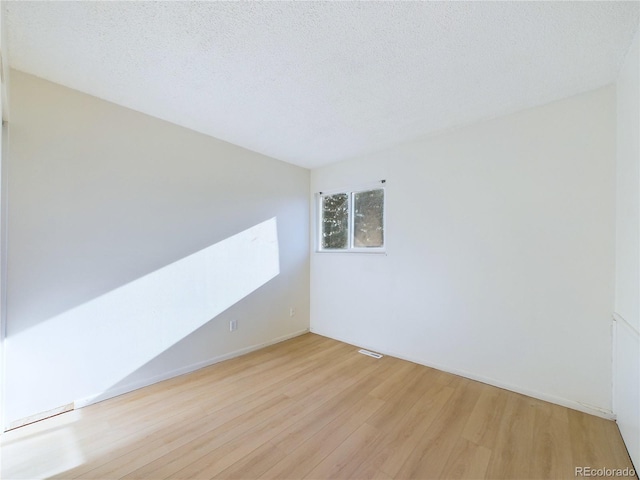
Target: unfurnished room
x=319, y=240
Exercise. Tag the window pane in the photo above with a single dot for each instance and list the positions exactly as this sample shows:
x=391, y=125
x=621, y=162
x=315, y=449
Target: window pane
x=368, y=219
x=335, y=221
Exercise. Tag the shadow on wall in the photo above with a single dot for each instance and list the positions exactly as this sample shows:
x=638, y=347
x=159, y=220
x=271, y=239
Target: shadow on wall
x=85, y=351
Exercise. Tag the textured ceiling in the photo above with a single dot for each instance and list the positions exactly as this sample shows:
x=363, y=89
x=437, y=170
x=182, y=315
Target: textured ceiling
x=316, y=82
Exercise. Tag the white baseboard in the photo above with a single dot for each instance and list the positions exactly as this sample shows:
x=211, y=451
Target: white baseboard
x=590, y=409
x=40, y=416
x=91, y=399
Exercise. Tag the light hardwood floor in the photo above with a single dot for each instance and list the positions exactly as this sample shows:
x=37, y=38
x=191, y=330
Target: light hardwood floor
x=313, y=407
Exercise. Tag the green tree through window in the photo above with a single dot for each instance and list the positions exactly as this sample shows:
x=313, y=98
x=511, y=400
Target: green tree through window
x=352, y=221
x=335, y=221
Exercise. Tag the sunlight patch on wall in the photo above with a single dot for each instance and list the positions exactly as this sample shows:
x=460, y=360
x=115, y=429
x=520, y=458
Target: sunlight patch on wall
x=108, y=338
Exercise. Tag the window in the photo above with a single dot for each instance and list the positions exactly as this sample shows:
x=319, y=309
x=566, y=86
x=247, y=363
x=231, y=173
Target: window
x=352, y=221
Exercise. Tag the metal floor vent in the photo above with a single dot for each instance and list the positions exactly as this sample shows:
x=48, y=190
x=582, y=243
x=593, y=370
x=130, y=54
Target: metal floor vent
x=370, y=354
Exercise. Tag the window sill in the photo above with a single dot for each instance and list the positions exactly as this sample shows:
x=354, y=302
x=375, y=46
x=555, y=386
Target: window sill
x=365, y=251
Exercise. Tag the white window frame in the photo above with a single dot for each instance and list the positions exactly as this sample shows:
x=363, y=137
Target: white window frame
x=350, y=246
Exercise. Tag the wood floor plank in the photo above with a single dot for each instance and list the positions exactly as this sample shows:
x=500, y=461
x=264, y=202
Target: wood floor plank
x=389, y=386
x=224, y=411
x=254, y=465
x=221, y=458
x=138, y=455
x=312, y=407
x=484, y=421
x=403, y=438
x=303, y=459
x=403, y=399
x=358, y=387
x=348, y=456
x=551, y=456
x=366, y=471
x=587, y=447
x=430, y=455
x=198, y=447
x=467, y=460
x=512, y=450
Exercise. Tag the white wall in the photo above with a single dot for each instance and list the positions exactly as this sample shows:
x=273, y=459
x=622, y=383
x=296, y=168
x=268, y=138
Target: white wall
x=133, y=242
x=500, y=242
x=627, y=293
x=3, y=201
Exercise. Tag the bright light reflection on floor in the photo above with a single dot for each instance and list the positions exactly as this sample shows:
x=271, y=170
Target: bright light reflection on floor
x=23, y=451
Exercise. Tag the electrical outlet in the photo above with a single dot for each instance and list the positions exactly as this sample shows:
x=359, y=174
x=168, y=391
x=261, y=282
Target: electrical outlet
x=292, y=312
x=233, y=325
